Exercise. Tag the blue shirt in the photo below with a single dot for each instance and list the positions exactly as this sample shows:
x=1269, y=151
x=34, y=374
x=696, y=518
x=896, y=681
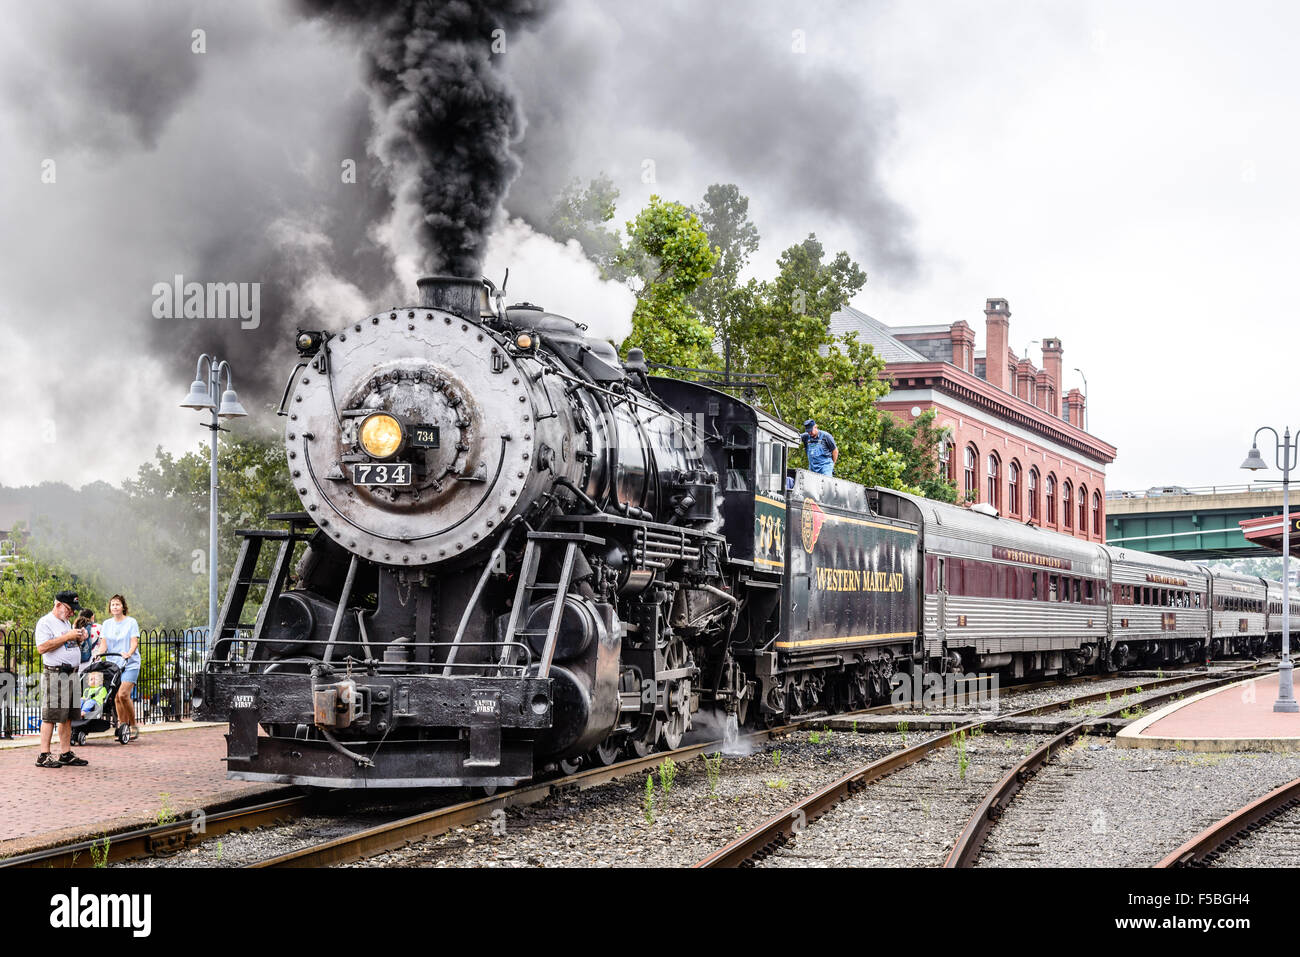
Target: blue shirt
x=117, y=638
x=819, y=449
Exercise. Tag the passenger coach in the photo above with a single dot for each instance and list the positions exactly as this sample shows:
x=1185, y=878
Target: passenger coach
x=1001, y=595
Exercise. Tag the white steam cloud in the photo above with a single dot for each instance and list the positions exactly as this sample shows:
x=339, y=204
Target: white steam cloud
x=559, y=278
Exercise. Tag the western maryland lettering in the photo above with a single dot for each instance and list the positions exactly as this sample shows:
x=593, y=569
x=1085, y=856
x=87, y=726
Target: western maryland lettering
x=856, y=579
x=1029, y=558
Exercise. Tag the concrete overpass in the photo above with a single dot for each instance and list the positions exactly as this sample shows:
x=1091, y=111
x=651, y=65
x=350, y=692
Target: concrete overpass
x=1192, y=524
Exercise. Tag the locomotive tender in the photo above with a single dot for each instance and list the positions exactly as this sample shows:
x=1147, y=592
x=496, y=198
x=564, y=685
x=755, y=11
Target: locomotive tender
x=518, y=551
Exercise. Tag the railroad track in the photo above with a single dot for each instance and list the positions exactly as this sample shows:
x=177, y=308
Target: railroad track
x=182, y=835
x=966, y=851
x=1205, y=849
x=166, y=838
x=780, y=829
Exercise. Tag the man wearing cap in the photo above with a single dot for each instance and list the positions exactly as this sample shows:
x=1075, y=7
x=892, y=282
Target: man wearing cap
x=822, y=451
x=60, y=648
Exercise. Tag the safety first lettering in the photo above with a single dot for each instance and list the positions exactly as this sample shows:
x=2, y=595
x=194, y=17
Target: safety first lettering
x=856, y=579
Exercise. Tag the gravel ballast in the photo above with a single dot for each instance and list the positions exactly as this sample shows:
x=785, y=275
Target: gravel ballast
x=1096, y=805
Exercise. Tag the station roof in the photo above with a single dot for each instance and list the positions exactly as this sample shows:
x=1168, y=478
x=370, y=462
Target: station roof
x=1267, y=532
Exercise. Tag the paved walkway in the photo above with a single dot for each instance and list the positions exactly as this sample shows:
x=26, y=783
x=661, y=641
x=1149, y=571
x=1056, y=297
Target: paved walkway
x=1238, y=717
x=121, y=788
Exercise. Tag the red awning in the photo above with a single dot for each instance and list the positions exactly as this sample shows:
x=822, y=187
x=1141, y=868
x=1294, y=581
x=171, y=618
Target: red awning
x=1267, y=532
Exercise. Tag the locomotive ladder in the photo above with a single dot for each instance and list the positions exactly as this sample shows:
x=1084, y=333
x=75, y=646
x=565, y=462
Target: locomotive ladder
x=243, y=577
x=528, y=586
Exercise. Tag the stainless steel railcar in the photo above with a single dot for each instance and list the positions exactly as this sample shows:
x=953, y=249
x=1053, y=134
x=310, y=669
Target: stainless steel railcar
x=1002, y=595
x=1238, y=613
x=1159, y=608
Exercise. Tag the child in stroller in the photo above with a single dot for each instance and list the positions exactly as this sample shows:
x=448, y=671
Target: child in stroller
x=100, y=682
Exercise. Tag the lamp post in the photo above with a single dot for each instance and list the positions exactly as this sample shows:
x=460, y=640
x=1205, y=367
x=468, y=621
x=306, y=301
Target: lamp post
x=203, y=395
x=1085, y=397
x=1254, y=462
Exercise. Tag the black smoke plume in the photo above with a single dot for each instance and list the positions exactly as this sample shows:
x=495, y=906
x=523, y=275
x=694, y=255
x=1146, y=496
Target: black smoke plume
x=447, y=115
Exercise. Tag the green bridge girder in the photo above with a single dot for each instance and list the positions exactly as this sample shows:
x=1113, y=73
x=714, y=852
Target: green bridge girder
x=1190, y=527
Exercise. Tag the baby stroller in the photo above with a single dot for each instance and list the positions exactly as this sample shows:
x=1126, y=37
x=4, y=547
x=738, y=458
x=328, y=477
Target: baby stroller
x=100, y=683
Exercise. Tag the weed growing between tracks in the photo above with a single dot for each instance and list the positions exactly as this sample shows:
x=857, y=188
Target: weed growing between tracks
x=713, y=770
x=667, y=774
x=166, y=813
x=99, y=852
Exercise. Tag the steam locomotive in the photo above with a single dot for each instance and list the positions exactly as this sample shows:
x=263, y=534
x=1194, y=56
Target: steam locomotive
x=518, y=551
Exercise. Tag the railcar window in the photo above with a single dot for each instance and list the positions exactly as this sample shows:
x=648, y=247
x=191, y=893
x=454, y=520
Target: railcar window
x=1077, y=599
x=1087, y=590
x=771, y=467
x=1051, y=588
x=939, y=576
x=1033, y=585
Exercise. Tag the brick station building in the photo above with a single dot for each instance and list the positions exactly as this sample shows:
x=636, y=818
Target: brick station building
x=1016, y=439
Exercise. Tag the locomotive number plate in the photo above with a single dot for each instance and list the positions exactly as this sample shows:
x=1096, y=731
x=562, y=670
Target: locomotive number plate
x=383, y=473
x=424, y=436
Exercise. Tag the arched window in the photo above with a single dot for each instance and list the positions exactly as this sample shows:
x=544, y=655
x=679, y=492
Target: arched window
x=1013, y=488
x=1067, y=517
x=1050, y=489
x=970, y=485
x=995, y=492
x=1083, y=509
x=1096, y=513
x=946, y=451
x=1033, y=495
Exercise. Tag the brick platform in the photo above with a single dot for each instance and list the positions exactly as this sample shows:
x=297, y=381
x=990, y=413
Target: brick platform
x=120, y=788
x=1239, y=717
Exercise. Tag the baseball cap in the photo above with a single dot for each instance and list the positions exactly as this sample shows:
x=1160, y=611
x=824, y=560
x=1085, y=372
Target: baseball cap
x=69, y=598
x=809, y=424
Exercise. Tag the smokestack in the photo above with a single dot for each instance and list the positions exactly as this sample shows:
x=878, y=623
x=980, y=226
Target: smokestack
x=463, y=297
x=997, y=321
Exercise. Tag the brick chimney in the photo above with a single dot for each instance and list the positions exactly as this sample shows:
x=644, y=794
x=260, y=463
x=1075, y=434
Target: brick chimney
x=963, y=346
x=1074, y=408
x=1025, y=380
x=1042, y=389
x=997, y=320
x=1052, y=365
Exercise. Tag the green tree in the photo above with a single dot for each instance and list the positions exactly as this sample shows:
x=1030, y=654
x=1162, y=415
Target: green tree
x=581, y=214
x=669, y=252
x=836, y=381
x=918, y=443
x=253, y=481
x=28, y=586
x=721, y=299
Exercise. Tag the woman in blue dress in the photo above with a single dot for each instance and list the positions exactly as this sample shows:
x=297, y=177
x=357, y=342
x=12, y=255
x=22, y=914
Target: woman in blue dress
x=120, y=635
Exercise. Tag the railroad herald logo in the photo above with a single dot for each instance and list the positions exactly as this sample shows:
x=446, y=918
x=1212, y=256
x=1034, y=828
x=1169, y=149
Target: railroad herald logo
x=811, y=527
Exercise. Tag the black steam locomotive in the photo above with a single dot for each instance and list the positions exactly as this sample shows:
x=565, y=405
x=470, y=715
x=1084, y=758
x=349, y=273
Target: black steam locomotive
x=518, y=551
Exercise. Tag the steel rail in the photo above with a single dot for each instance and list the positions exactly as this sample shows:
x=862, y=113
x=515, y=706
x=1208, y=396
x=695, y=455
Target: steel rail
x=163, y=838
x=966, y=851
x=780, y=828
x=385, y=837
x=395, y=834
x=1204, y=848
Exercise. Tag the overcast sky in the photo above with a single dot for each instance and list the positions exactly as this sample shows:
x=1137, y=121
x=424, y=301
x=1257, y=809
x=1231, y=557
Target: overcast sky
x=1121, y=173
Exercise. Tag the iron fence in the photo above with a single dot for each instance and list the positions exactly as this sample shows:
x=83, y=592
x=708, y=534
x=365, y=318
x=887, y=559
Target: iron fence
x=169, y=660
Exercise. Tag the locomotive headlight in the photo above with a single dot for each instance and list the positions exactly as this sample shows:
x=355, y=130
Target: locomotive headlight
x=525, y=341
x=381, y=435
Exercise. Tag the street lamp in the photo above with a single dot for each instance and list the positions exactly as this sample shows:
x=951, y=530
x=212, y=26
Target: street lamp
x=1254, y=462
x=203, y=396
x=1085, y=397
